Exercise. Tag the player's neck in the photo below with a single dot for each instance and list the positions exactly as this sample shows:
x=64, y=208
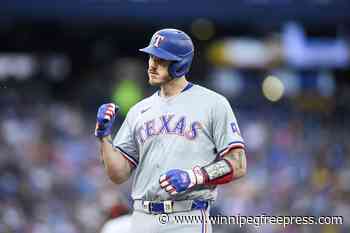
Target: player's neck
x=173, y=87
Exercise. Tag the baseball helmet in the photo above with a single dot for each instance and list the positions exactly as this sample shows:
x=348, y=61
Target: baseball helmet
x=175, y=46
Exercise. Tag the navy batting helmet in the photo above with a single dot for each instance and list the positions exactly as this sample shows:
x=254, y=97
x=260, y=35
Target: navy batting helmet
x=175, y=46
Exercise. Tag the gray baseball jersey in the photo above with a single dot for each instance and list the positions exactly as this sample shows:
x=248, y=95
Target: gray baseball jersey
x=178, y=132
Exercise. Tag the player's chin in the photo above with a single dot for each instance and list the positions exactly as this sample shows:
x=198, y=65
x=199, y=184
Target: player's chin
x=154, y=81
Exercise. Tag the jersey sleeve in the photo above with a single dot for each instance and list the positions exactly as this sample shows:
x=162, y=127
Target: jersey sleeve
x=226, y=133
x=124, y=142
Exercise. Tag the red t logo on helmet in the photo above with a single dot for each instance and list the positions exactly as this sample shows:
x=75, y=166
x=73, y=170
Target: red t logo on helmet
x=157, y=39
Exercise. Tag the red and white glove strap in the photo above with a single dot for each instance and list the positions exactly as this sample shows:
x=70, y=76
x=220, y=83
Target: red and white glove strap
x=110, y=112
x=197, y=176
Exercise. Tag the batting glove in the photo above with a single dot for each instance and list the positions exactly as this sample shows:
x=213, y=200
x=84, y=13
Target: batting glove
x=175, y=181
x=105, y=117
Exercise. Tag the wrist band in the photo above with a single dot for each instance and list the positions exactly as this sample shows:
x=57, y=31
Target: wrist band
x=219, y=172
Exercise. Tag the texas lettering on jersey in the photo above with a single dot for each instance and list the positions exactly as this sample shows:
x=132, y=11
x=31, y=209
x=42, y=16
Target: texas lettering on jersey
x=168, y=124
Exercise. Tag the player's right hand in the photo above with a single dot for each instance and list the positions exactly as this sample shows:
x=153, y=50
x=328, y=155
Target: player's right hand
x=105, y=117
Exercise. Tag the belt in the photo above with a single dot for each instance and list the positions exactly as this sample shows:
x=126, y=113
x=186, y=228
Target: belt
x=167, y=207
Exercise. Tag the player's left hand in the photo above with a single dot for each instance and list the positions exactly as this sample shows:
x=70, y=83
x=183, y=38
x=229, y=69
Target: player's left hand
x=176, y=180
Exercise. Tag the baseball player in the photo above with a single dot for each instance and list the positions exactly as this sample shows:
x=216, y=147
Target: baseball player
x=180, y=143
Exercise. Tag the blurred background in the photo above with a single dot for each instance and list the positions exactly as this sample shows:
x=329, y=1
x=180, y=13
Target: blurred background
x=283, y=64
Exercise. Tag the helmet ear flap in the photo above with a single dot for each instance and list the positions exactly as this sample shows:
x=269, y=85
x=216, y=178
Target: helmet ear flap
x=178, y=69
